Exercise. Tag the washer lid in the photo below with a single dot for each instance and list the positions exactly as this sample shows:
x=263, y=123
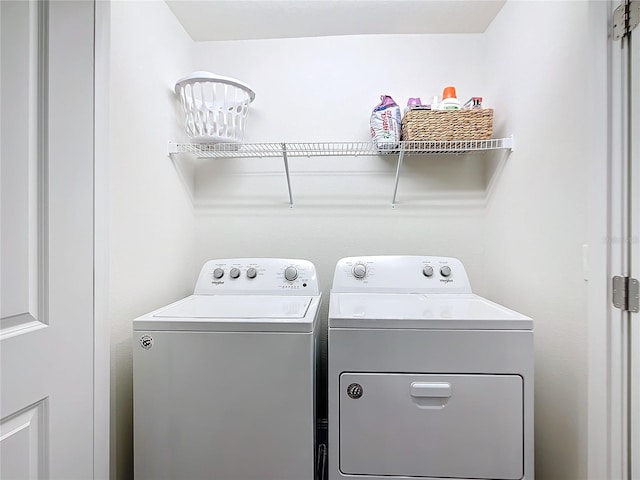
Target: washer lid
x=254, y=313
x=419, y=311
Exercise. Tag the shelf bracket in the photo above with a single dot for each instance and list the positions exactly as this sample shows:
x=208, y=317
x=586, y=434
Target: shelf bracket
x=286, y=170
x=398, y=168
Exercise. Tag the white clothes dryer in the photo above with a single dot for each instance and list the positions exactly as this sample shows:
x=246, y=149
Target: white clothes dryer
x=224, y=380
x=426, y=380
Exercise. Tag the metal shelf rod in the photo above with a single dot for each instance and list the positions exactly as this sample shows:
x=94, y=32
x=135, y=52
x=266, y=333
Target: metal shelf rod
x=398, y=168
x=286, y=169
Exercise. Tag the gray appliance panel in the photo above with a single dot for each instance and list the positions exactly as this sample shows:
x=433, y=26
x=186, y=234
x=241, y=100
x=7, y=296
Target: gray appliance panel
x=224, y=405
x=436, y=426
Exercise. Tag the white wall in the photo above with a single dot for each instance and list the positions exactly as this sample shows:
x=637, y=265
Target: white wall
x=522, y=246
x=323, y=89
x=536, y=219
x=151, y=218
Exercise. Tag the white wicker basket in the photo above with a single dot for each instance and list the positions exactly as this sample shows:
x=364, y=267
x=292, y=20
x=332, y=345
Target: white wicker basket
x=215, y=107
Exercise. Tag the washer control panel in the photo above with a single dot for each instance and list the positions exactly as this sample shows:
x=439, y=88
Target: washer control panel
x=401, y=274
x=258, y=276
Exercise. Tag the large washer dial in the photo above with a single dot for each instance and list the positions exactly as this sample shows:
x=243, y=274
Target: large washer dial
x=251, y=272
x=445, y=271
x=427, y=271
x=291, y=273
x=359, y=270
x=218, y=273
x=234, y=273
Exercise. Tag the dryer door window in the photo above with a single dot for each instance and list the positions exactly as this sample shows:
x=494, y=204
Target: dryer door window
x=451, y=426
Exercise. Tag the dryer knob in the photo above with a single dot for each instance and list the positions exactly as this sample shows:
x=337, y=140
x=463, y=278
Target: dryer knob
x=359, y=270
x=445, y=271
x=251, y=272
x=234, y=273
x=218, y=273
x=427, y=271
x=291, y=273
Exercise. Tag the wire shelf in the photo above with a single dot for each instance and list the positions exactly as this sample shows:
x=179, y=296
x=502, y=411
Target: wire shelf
x=336, y=149
x=285, y=150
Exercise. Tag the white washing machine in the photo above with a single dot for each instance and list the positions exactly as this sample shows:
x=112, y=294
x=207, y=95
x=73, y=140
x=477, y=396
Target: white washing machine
x=426, y=379
x=224, y=380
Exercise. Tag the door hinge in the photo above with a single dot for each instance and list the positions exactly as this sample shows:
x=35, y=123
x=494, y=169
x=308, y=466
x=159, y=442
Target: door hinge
x=625, y=18
x=626, y=294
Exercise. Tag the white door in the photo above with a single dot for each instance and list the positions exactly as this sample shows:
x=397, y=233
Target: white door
x=624, y=329
x=634, y=264
x=47, y=296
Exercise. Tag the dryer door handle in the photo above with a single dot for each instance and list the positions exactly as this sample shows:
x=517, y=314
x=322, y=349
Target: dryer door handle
x=431, y=389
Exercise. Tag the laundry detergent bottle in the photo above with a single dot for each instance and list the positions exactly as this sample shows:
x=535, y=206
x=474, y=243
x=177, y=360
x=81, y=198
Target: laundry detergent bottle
x=449, y=100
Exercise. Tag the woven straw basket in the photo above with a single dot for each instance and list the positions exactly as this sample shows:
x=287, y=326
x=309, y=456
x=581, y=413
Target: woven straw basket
x=444, y=125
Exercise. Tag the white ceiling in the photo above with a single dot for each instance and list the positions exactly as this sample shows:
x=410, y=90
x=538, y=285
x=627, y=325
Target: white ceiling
x=254, y=19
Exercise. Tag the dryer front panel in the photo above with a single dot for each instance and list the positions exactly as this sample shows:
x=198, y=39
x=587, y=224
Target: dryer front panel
x=414, y=425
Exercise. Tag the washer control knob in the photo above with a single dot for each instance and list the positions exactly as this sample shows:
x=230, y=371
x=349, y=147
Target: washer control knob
x=427, y=271
x=291, y=273
x=445, y=271
x=234, y=273
x=359, y=270
x=218, y=273
x=251, y=272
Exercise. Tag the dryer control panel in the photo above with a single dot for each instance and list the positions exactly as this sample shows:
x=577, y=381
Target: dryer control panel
x=401, y=274
x=258, y=276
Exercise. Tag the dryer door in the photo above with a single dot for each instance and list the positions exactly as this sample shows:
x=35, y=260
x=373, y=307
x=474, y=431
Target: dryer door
x=454, y=426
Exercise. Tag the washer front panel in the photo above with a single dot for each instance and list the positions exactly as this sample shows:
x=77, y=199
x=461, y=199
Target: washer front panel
x=224, y=405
